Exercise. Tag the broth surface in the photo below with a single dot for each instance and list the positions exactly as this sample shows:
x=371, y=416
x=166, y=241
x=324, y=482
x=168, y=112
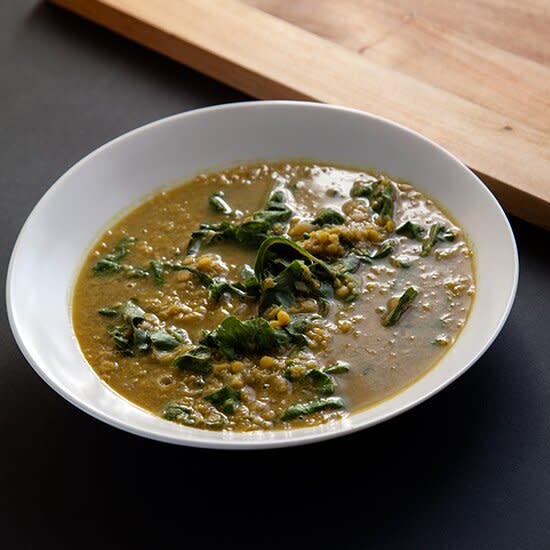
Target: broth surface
x=134, y=353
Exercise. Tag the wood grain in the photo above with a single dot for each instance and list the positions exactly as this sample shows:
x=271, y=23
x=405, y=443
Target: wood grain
x=486, y=103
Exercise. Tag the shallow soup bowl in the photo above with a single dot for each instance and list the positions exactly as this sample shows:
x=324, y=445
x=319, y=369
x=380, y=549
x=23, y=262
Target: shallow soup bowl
x=107, y=183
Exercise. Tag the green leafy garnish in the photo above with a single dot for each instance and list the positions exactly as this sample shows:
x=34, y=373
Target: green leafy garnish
x=182, y=413
x=216, y=286
x=438, y=232
x=315, y=405
x=108, y=311
x=110, y=263
x=379, y=193
x=163, y=341
x=339, y=367
x=226, y=398
x=321, y=381
x=158, y=272
x=329, y=216
x=253, y=336
x=393, y=316
x=411, y=230
x=187, y=416
x=122, y=337
x=197, y=360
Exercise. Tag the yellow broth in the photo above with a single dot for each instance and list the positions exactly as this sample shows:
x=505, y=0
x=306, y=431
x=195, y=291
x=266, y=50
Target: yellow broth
x=382, y=360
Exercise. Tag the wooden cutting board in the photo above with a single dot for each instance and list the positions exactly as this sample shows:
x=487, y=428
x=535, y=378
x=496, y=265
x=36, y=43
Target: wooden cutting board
x=473, y=76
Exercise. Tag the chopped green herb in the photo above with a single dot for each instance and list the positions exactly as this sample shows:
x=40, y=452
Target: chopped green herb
x=108, y=311
x=227, y=398
x=329, y=216
x=321, y=381
x=411, y=230
x=233, y=337
x=315, y=405
x=122, y=337
x=393, y=316
x=339, y=367
x=158, y=272
x=197, y=359
x=438, y=232
x=163, y=341
x=110, y=263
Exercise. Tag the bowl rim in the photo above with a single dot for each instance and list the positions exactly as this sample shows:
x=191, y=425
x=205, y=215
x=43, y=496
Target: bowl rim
x=306, y=435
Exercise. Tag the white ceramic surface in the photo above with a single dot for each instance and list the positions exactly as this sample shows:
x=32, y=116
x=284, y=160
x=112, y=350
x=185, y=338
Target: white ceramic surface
x=83, y=202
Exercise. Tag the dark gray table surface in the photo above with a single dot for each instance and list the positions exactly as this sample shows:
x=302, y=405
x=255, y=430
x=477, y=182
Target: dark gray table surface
x=470, y=468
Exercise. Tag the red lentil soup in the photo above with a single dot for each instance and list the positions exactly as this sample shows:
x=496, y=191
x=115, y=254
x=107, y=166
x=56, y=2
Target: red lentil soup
x=270, y=296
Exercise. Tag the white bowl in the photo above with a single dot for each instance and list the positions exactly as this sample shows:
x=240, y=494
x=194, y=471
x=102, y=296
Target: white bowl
x=82, y=203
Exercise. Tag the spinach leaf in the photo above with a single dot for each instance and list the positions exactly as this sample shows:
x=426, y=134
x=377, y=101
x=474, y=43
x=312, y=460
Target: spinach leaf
x=197, y=360
x=110, y=263
x=348, y=264
x=321, y=381
x=249, y=281
x=135, y=272
x=379, y=193
x=283, y=278
x=158, y=272
x=209, y=233
x=122, y=337
x=385, y=249
x=227, y=398
x=132, y=313
x=411, y=230
x=106, y=267
x=108, y=311
x=363, y=189
x=280, y=247
x=276, y=209
x=216, y=286
x=298, y=325
x=315, y=405
x=216, y=201
x=163, y=341
x=252, y=232
x=329, y=216
x=339, y=367
x=253, y=336
x=181, y=413
x=383, y=203
x=394, y=314
x=438, y=232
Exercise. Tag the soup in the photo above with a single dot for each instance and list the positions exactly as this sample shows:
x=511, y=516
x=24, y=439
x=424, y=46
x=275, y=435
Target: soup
x=271, y=296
